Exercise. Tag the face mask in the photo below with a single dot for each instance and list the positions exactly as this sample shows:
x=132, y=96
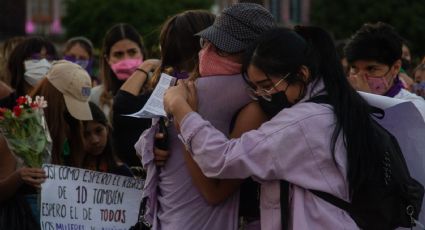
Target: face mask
x=210, y=63
x=278, y=102
x=419, y=86
x=378, y=85
x=81, y=62
x=35, y=70
x=125, y=68
x=405, y=64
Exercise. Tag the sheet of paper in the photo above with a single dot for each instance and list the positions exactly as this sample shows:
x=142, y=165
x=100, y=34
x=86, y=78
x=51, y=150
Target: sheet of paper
x=379, y=101
x=154, y=107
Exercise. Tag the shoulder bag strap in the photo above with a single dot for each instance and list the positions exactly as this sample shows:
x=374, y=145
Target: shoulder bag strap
x=284, y=204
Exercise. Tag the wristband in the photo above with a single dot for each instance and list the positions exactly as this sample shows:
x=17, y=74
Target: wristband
x=143, y=71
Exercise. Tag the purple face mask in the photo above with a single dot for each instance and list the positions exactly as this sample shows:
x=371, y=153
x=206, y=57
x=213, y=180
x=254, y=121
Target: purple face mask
x=377, y=85
x=84, y=63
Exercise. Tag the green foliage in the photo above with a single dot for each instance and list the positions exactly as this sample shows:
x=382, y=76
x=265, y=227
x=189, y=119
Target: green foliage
x=344, y=17
x=92, y=18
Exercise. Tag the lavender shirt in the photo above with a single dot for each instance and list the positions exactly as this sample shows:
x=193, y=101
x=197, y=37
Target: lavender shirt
x=174, y=201
x=294, y=146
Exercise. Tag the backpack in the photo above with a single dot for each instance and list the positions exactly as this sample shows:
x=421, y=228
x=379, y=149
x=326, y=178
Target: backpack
x=389, y=199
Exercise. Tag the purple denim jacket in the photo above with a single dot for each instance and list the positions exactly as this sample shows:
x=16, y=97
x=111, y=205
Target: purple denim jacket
x=294, y=146
x=174, y=202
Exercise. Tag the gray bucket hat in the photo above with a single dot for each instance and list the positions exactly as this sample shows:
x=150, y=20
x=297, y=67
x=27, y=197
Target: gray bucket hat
x=238, y=26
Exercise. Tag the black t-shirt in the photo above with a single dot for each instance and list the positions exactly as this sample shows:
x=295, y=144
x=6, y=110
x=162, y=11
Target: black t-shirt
x=122, y=170
x=127, y=130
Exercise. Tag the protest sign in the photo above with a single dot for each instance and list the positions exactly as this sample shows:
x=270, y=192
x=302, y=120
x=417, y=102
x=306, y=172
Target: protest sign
x=80, y=199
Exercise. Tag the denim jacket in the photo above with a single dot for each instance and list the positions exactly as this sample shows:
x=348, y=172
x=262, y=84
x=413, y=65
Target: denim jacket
x=295, y=145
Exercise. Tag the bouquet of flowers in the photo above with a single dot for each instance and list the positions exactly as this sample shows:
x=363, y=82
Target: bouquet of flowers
x=25, y=130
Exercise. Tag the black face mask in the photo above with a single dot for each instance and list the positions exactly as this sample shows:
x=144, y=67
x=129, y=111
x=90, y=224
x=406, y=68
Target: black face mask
x=271, y=108
x=405, y=64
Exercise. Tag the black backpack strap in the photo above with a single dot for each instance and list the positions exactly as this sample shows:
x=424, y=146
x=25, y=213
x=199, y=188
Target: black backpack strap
x=338, y=202
x=142, y=208
x=319, y=99
x=284, y=204
x=141, y=223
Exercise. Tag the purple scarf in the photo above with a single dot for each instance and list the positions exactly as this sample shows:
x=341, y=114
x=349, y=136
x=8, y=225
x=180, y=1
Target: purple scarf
x=395, y=89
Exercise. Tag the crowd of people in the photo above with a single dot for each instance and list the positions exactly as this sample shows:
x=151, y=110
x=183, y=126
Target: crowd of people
x=243, y=117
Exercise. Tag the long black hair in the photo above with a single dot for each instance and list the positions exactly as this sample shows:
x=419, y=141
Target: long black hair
x=22, y=52
x=281, y=51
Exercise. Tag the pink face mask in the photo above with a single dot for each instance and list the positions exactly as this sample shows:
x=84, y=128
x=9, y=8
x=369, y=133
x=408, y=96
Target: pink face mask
x=125, y=68
x=210, y=63
x=377, y=85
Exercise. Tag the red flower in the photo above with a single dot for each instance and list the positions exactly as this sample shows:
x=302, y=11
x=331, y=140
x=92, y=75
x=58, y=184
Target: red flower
x=21, y=100
x=34, y=105
x=17, y=110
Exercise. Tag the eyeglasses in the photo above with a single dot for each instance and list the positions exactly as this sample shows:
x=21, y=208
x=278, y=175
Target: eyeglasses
x=266, y=94
x=374, y=71
x=204, y=42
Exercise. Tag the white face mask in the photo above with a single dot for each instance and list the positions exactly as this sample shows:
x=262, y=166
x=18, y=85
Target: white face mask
x=35, y=70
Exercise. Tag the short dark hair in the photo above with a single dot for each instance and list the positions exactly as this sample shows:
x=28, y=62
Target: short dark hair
x=378, y=42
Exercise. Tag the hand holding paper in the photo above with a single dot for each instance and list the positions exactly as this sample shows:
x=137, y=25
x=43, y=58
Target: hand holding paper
x=154, y=107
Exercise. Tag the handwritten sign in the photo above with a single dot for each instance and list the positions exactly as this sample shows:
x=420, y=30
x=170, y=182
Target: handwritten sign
x=80, y=199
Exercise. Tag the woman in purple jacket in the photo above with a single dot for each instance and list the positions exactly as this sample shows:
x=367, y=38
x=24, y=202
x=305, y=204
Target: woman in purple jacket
x=311, y=145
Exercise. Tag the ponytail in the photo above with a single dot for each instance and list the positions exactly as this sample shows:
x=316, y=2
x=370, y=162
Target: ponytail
x=350, y=109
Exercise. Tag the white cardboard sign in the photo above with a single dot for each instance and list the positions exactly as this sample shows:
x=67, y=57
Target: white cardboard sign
x=80, y=199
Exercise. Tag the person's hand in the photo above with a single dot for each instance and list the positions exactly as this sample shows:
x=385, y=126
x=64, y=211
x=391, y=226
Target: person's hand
x=176, y=96
x=5, y=90
x=359, y=83
x=150, y=64
x=192, y=98
x=32, y=176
